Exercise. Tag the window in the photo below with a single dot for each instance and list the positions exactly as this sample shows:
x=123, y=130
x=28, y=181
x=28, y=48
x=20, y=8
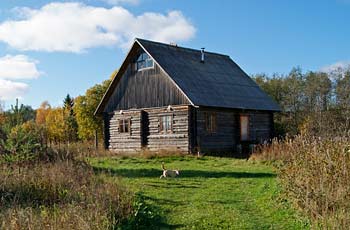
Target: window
x=244, y=127
x=166, y=124
x=143, y=61
x=210, y=122
x=124, y=126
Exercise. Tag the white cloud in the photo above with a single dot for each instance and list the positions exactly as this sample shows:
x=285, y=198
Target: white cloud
x=18, y=67
x=119, y=2
x=14, y=68
x=75, y=27
x=338, y=66
x=10, y=90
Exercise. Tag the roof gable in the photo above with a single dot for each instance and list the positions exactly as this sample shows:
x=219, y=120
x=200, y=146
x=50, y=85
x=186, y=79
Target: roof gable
x=218, y=82
x=122, y=77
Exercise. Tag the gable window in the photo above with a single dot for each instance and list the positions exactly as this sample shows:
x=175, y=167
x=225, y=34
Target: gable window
x=124, y=126
x=143, y=61
x=244, y=120
x=166, y=124
x=210, y=122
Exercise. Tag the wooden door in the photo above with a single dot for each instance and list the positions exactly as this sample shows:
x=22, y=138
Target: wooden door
x=244, y=127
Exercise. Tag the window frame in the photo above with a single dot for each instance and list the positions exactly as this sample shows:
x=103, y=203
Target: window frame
x=210, y=122
x=144, y=59
x=171, y=120
x=122, y=124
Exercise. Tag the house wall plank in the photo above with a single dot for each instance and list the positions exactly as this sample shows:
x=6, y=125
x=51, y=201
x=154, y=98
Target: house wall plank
x=144, y=89
x=125, y=142
x=227, y=136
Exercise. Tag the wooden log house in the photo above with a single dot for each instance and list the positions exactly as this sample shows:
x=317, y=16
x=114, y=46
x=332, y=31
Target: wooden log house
x=166, y=97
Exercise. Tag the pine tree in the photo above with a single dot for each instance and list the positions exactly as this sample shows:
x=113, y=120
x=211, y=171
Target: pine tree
x=69, y=119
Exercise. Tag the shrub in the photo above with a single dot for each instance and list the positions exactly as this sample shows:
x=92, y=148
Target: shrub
x=24, y=140
x=315, y=175
x=60, y=195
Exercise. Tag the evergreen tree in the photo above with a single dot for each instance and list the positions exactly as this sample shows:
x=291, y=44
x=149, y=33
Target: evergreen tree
x=69, y=119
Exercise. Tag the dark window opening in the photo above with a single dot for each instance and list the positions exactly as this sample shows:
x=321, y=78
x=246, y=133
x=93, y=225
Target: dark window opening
x=124, y=126
x=210, y=122
x=166, y=124
x=143, y=61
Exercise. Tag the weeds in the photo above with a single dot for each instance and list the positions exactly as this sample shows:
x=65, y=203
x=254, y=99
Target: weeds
x=161, y=153
x=59, y=195
x=315, y=175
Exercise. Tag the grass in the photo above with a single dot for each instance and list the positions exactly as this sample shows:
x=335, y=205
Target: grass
x=211, y=193
x=59, y=195
x=315, y=176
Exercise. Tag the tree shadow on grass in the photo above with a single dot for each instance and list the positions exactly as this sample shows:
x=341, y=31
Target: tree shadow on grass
x=172, y=185
x=162, y=201
x=153, y=173
x=147, y=216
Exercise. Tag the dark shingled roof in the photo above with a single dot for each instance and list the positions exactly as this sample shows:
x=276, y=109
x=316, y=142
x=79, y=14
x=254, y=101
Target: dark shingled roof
x=218, y=82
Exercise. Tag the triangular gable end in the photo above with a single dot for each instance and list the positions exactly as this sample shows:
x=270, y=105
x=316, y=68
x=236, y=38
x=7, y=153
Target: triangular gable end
x=118, y=77
x=171, y=79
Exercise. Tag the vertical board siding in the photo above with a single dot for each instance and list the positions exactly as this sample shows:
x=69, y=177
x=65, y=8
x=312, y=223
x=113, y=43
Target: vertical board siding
x=224, y=138
x=126, y=142
x=144, y=89
x=227, y=136
x=260, y=127
x=177, y=140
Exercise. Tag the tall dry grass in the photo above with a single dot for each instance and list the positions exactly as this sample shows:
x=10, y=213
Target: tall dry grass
x=59, y=195
x=315, y=175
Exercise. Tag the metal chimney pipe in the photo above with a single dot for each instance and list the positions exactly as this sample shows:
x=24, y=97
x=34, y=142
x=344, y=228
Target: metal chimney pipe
x=202, y=56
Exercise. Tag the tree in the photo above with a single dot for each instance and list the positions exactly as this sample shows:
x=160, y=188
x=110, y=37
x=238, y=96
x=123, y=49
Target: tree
x=56, y=125
x=274, y=86
x=25, y=140
x=84, y=109
x=41, y=115
x=318, y=88
x=305, y=100
x=343, y=98
x=42, y=112
x=69, y=119
x=18, y=115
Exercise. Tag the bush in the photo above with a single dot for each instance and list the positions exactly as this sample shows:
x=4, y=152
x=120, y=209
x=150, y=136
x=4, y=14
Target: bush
x=315, y=175
x=24, y=140
x=60, y=195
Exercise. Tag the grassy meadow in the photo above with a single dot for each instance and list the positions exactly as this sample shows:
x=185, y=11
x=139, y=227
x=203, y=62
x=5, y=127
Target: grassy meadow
x=59, y=195
x=211, y=193
x=299, y=183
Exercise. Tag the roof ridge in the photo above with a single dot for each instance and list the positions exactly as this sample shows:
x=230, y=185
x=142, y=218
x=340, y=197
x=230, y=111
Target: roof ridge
x=180, y=47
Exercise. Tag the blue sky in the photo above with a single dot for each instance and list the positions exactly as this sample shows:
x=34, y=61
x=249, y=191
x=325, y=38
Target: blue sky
x=49, y=49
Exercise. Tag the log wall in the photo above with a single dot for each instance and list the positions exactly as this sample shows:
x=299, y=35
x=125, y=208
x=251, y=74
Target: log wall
x=145, y=130
x=178, y=140
x=126, y=142
x=189, y=132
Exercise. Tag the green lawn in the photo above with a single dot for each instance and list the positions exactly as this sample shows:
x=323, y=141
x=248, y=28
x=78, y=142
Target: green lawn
x=211, y=193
